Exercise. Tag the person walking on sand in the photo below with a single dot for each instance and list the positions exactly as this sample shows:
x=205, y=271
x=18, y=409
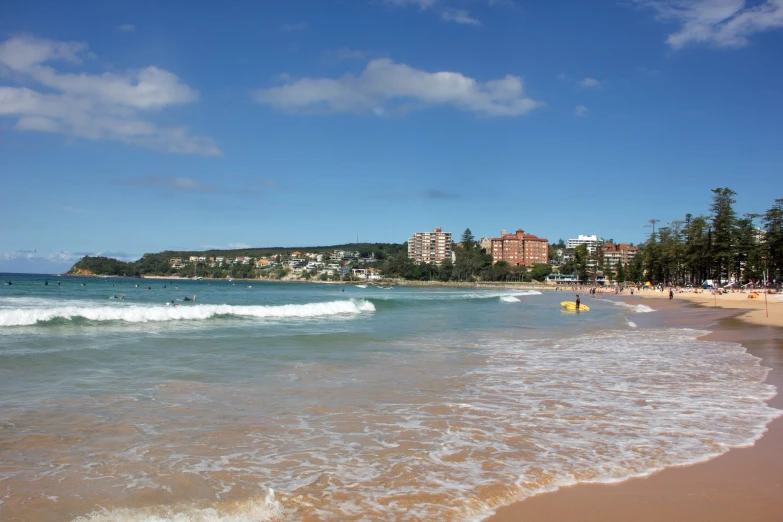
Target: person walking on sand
x=671, y=295
x=578, y=302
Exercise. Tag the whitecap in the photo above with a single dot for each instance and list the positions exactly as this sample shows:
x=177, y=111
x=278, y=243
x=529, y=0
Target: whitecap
x=143, y=314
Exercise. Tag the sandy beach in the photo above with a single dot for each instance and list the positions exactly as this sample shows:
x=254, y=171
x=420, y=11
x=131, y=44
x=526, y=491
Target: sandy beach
x=744, y=484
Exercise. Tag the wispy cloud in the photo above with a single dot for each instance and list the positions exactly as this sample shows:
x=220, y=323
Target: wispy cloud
x=458, y=16
x=438, y=194
x=126, y=28
x=590, y=83
x=229, y=246
x=179, y=184
x=421, y=4
x=61, y=256
x=385, y=85
x=581, y=111
x=447, y=14
x=648, y=71
x=296, y=26
x=719, y=23
x=344, y=53
x=107, y=106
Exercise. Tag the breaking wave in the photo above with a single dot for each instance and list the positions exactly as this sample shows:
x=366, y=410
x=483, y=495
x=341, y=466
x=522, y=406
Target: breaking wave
x=144, y=314
x=638, y=308
x=255, y=510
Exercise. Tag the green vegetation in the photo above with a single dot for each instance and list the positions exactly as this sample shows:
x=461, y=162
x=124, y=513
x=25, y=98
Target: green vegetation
x=160, y=263
x=104, y=266
x=719, y=246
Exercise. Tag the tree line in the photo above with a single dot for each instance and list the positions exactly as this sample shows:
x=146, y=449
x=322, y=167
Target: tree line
x=721, y=246
x=471, y=263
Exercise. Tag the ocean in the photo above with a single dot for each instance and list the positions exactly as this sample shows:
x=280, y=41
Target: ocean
x=276, y=401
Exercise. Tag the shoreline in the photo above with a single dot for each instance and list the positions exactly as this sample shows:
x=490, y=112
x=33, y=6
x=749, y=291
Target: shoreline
x=500, y=285
x=744, y=483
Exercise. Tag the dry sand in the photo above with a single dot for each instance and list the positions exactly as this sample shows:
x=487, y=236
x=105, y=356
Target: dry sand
x=744, y=484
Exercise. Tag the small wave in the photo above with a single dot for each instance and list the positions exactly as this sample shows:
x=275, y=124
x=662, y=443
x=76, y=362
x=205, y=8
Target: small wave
x=253, y=510
x=631, y=324
x=139, y=314
x=509, y=299
x=638, y=308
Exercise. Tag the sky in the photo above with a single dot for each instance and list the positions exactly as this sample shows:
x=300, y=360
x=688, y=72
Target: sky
x=133, y=127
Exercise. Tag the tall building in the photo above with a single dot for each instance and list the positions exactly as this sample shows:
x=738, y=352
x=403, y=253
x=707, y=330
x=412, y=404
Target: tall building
x=430, y=247
x=614, y=254
x=592, y=243
x=520, y=249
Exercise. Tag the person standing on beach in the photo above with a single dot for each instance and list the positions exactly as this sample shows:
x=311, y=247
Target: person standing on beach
x=671, y=295
x=578, y=302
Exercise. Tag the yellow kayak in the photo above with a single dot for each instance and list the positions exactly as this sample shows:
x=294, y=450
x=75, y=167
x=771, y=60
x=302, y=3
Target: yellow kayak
x=571, y=306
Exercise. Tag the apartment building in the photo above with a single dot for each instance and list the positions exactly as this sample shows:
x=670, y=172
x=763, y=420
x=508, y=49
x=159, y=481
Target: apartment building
x=520, y=248
x=430, y=247
x=614, y=254
x=592, y=243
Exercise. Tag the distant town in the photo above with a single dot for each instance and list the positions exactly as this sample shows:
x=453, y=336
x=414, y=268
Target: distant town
x=431, y=256
x=721, y=248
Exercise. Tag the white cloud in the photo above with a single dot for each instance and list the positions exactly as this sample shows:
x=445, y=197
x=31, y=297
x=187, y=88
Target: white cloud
x=61, y=256
x=126, y=28
x=721, y=23
x=229, y=246
x=581, y=111
x=95, y=106
x=174, y=183
x=349, y=54
x=421, y=4
x=590, y=83
x=384, y=84
x=298, y=26
x=459, y=16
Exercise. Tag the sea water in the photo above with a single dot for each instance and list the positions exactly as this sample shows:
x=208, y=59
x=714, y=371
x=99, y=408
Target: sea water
x=264, y=401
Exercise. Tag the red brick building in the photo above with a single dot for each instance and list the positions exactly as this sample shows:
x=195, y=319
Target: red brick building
x=520, y=249
x=615, y=254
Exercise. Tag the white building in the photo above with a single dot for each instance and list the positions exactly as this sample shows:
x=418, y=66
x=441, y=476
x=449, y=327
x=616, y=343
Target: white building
x=430, y=247
x=592, y=242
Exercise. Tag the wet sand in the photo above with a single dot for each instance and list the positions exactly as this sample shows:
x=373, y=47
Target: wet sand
x=744, y=484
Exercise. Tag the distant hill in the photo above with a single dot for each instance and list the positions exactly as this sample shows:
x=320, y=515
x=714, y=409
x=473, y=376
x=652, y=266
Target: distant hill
x=159, y=263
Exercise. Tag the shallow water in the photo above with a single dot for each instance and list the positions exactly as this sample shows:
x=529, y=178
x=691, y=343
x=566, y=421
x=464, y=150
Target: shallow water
x=266, y=401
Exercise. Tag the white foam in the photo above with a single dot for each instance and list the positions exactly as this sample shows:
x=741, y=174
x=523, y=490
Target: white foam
x=535, y=413
x=143, y=314
x=449, y=294
x=254, y=510
x=638, y=308
x=509, y=299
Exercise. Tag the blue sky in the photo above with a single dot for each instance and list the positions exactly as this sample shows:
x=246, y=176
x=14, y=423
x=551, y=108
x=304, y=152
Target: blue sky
x=132, y=127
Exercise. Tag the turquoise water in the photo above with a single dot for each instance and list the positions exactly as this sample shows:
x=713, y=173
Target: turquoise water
x=262, y=401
